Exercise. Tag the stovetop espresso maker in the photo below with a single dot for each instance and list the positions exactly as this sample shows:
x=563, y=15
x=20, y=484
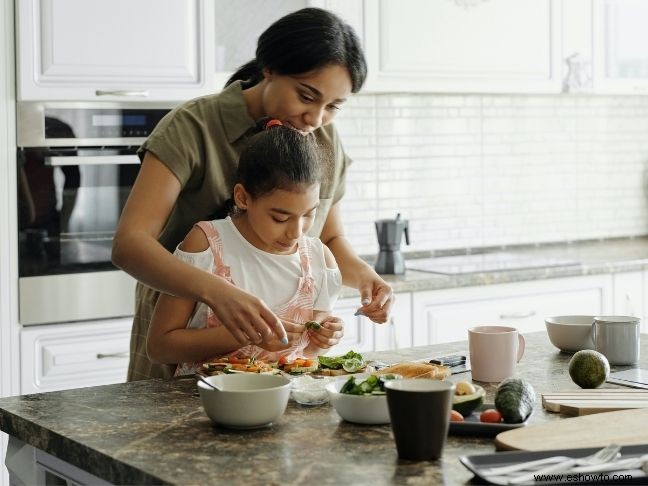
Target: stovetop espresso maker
x=390, y=231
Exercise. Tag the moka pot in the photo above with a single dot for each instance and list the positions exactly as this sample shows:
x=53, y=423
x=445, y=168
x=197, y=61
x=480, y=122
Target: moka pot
x=389, y=232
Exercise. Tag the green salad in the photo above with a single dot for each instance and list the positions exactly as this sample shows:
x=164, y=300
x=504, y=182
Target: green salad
x=373, y=385
x=350, y=362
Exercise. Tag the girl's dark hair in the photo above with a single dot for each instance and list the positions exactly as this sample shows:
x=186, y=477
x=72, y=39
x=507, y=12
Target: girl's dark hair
x=305, y=40
x=279, y=158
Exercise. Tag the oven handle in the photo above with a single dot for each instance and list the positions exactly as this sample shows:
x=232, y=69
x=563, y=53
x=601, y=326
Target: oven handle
x=92, y=160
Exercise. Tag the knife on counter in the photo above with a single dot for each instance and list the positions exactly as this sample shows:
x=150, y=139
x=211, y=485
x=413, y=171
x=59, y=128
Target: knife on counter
x=458, y=363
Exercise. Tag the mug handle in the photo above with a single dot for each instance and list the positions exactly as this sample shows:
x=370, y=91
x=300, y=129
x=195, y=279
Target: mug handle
x=521, y=346
x=594, y=334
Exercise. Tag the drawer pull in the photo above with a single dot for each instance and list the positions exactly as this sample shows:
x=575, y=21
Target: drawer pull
x=518, y=315
x=123, y=354
x=122, y=92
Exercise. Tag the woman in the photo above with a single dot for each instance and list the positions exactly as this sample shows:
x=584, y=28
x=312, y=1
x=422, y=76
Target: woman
x=307, y=64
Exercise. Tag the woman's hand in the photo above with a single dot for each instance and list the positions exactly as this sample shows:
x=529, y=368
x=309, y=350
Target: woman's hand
x=329, y=334
x=377, y=297
x=246, y=317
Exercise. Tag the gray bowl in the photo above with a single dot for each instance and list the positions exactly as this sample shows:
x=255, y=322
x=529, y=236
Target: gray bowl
x=570, y=333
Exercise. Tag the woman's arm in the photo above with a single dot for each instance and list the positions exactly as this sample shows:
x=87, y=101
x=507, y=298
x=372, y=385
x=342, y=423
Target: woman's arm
x=376, y=295
x=137, y=251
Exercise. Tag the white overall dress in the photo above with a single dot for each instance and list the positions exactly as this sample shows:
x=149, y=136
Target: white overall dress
x=298, y=309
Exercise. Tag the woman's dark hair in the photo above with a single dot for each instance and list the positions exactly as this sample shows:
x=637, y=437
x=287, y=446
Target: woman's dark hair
x=279, y=158
x=305, y=40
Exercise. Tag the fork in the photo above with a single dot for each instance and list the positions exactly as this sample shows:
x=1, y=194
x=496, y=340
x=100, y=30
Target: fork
x=523, y=466
x=606, y=454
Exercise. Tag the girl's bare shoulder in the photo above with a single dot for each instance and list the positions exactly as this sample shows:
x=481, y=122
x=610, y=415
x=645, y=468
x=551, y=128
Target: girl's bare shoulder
x=195, y=241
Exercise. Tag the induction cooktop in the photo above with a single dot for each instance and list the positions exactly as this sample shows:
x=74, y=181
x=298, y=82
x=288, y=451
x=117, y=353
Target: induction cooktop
x=486, y=262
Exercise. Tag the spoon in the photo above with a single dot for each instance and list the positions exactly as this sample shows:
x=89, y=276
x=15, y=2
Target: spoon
x=202, y=378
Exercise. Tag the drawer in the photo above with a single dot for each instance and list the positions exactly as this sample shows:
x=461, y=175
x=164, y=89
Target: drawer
x=58, y=357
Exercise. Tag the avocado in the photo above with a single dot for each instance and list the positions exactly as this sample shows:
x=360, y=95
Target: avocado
x=514, y=398
x=466, y=404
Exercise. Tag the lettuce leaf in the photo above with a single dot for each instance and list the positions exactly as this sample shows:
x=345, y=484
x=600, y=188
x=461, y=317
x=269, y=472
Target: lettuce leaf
x=336, y=362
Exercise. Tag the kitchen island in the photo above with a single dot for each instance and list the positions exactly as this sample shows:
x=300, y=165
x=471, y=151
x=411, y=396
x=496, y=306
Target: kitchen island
x=155, y=431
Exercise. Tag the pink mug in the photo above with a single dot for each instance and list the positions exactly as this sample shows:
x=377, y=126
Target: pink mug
x=494, y=352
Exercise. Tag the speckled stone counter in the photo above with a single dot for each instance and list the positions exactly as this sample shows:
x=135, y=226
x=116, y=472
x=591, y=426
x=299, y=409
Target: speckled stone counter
x=595, y=257
x=156, y=432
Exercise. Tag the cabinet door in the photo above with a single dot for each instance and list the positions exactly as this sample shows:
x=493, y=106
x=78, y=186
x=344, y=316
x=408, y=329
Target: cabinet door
x=361, y=334
x=446, y=315
x=59, y=357
x=114, y=49
x=620, y=38
x=459, y=46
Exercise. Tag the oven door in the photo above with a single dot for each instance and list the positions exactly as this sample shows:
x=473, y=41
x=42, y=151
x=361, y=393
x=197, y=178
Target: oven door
x=69, y=203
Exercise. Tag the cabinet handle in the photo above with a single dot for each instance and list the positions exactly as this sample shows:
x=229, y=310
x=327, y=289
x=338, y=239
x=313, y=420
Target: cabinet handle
x=122, y=92
x=518, y=315
x=123, y=354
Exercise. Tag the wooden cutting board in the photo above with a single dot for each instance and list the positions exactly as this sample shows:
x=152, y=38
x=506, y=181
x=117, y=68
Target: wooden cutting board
x=624, y=427
x=587, y=402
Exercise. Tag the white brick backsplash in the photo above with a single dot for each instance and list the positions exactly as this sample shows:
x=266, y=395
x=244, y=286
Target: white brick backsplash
x=473, y=170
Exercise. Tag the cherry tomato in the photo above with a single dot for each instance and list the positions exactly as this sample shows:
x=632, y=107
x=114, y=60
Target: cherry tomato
x=491, y=415
x=283, y=360
x=456, y=416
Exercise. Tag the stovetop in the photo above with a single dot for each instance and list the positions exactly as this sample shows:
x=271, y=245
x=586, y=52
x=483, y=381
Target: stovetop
x=486, y=262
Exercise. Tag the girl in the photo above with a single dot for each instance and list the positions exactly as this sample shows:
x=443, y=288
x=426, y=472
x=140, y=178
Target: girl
x=307, y=64
x=262, y=248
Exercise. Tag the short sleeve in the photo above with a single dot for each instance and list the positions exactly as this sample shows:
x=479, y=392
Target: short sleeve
x=203, y=260
x=176, y=141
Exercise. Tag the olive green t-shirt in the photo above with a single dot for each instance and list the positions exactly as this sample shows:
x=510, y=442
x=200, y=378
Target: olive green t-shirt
x=200, y=141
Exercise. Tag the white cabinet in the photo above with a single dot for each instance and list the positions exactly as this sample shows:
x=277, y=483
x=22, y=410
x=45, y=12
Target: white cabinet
x=456, y=46
x=620, y=37
x=361, y=334
x=446, y=315
x=114, y=49
x=58, y=357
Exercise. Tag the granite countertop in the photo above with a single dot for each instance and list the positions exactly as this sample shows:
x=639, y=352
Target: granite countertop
x=594, y=256
x=155, y=431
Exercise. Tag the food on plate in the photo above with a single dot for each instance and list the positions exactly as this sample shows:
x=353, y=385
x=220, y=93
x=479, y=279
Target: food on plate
x=514, y=398
x=467, y=397
x=372, y=385
x=233, y=364
x=456, y=416
x=314, y=325
x=416, y=369
x=350, y=362
x=490, y=415
x=298, y=365
x=589, y=368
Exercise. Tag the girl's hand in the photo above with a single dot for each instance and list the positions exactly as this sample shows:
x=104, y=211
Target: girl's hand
x=377, y=297
x=294, y=332
x=245, y=316
x=329, y=334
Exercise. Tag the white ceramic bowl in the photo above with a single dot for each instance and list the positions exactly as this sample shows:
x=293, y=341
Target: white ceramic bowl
x=247, y=400
x=570, y=333
x=360, y=409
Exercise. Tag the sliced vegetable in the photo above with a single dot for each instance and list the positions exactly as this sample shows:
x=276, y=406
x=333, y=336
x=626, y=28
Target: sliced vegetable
x=314, y=325
x=373, y=385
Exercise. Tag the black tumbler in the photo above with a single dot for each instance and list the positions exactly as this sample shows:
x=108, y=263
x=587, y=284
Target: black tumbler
x=420, y=416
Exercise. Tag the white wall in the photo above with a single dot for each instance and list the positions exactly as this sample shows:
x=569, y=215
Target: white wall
x=9, y=374
x=492, y=170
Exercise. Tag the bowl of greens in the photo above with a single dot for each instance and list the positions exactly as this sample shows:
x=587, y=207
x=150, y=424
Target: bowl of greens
x=361, y=398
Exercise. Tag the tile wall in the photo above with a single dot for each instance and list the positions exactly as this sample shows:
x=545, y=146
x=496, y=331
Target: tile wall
x=492, y=170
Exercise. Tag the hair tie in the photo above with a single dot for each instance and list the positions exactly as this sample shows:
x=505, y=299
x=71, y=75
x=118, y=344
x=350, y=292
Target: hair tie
x=273, y=122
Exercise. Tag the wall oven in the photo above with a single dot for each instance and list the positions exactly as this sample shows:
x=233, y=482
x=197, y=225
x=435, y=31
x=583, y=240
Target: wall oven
x=76, y=165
